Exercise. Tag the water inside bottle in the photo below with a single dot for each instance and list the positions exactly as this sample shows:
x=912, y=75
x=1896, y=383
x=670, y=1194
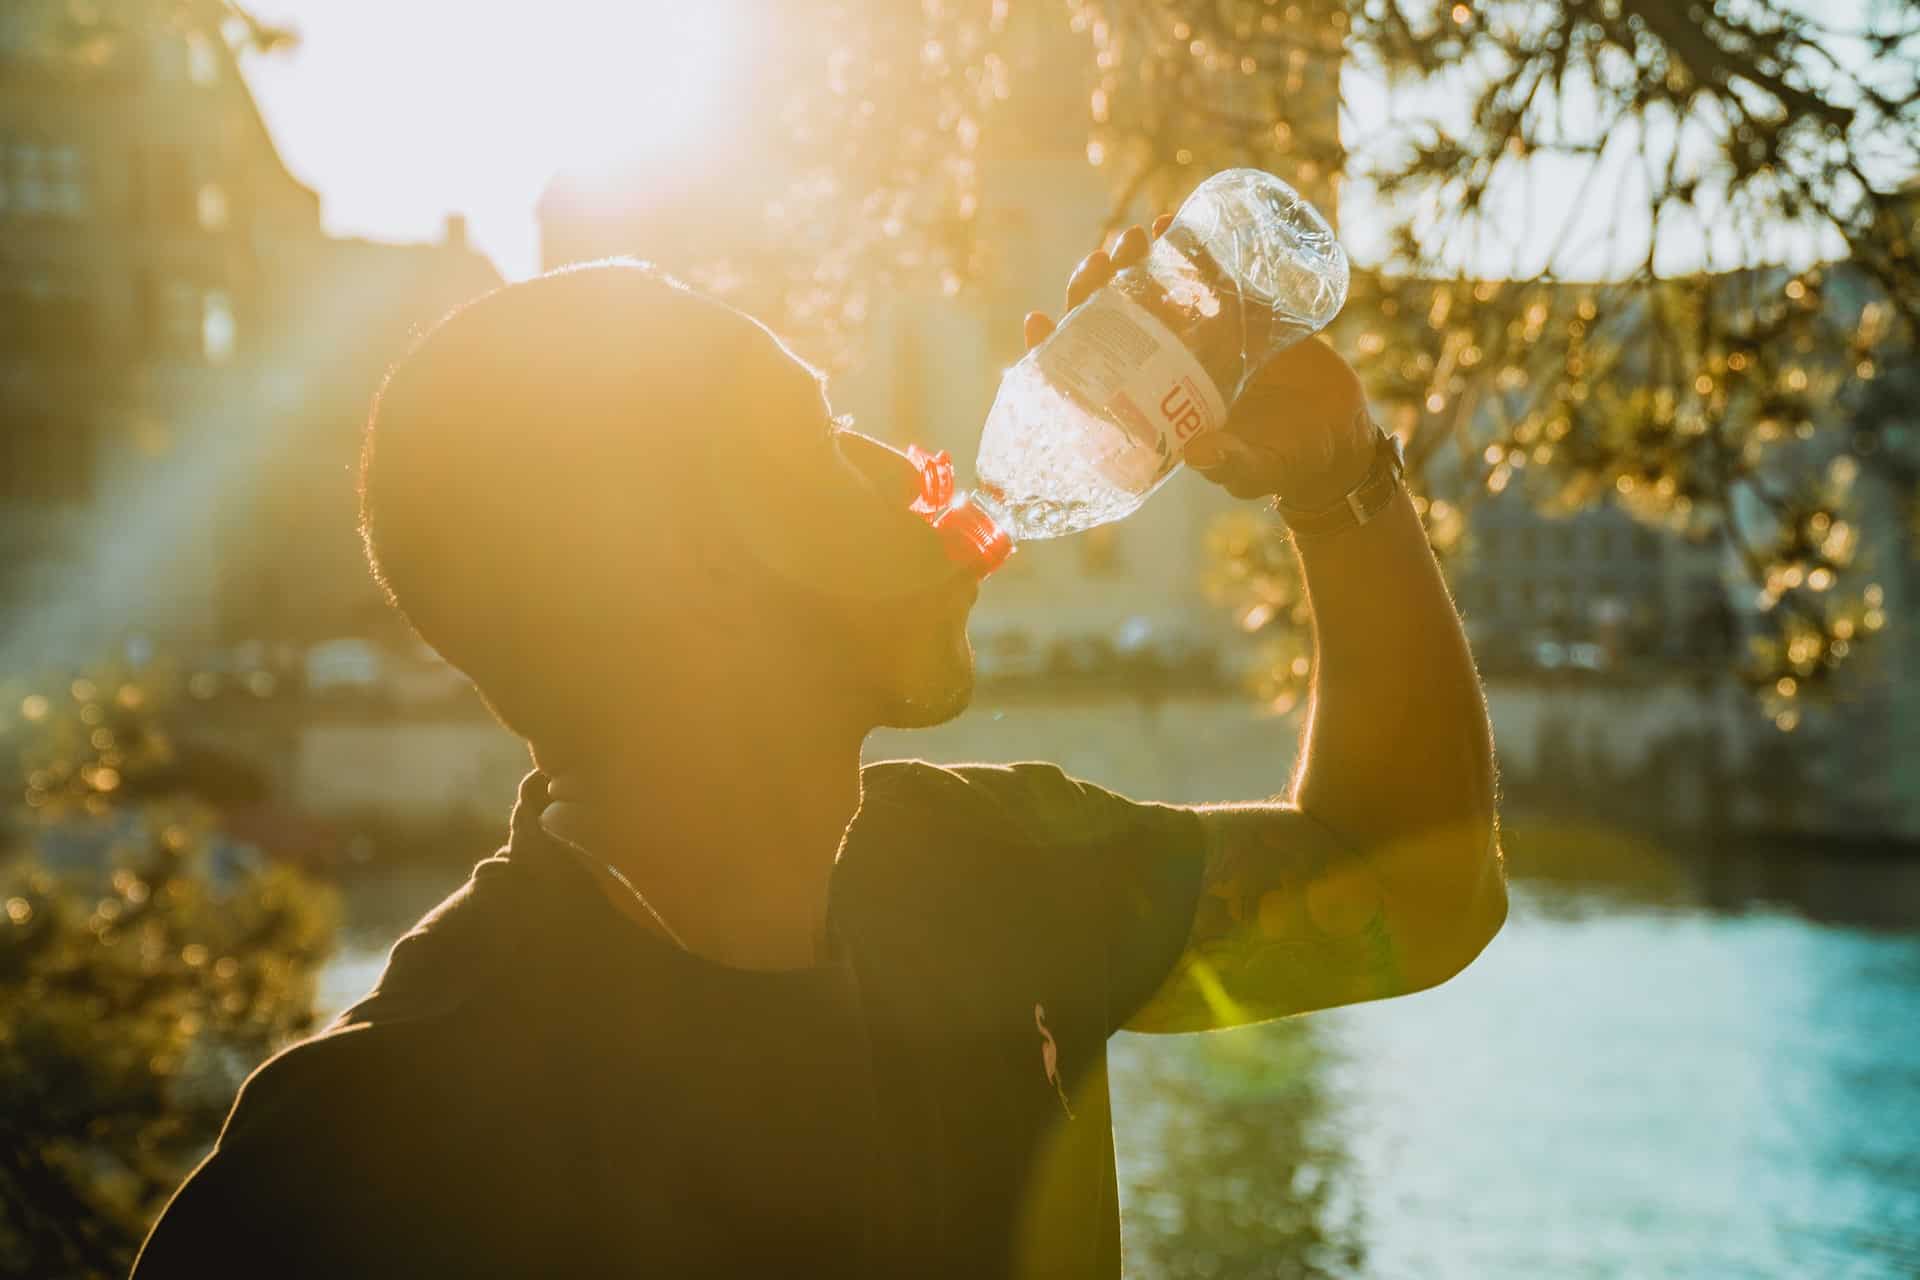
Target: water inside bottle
x=1052, y=466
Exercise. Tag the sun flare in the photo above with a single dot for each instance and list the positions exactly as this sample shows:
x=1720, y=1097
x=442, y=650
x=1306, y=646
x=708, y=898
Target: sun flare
x=508, y=97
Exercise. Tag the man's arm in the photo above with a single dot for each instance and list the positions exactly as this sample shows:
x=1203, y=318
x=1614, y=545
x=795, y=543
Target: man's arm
x=1379, y=872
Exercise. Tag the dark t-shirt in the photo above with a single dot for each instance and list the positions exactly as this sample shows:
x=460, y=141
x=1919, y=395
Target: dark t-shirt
x=537, y=1085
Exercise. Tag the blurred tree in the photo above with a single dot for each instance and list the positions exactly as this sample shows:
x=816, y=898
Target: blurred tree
x=1631, y=251
x=1231, y=1165
x=146, y=966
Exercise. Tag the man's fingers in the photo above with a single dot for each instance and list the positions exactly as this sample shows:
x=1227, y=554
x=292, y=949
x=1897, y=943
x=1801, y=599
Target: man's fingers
x=1038, y=327
x=1160, y=225
x=1243, y=470
x=1130, y=247
x=1094, y=270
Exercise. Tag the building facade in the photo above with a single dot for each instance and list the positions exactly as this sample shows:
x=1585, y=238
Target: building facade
x=184, y=356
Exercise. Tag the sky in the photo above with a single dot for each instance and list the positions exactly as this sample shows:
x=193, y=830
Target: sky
x=399, y=112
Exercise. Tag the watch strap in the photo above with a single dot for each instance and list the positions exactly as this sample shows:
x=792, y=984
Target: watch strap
x=1369, y=498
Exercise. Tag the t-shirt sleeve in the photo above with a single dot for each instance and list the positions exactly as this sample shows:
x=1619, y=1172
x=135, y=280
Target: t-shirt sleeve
x=1132, y=867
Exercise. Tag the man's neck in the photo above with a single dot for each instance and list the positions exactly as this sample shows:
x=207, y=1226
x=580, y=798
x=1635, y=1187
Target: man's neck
x=731, y=841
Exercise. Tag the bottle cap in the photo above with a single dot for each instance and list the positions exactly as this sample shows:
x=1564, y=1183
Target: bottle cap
x=973, y=537
x=968, y=531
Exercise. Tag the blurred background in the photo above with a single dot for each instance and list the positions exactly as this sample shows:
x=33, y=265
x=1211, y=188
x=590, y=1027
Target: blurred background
x=1637, y=283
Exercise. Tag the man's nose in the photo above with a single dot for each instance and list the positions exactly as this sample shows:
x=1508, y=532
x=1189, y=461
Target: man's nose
x=899, y=547
x=886, y=468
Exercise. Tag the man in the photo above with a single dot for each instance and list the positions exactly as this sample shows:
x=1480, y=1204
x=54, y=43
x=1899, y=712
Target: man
x=728, y=1004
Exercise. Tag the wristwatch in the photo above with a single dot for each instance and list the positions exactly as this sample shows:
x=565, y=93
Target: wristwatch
x=1365, y=501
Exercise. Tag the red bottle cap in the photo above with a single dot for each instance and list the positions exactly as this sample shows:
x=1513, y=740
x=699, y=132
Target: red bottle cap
x=973, y=537
x=970, y=534
x=936, y=481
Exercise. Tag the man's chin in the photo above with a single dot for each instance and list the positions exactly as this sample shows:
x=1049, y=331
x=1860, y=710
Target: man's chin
x=926, y=707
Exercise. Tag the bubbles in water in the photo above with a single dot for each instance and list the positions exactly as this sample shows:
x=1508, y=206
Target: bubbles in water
x=1051, y=466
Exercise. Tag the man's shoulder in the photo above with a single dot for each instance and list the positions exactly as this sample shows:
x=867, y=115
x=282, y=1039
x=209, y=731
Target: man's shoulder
x=465, y=952
x=347, y=1153
x=1005, y=795
x=1033, y=802
x=322, y=1085
x=396, y=1106
x=432, y=1024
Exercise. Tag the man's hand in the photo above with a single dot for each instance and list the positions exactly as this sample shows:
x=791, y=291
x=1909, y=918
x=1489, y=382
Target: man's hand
x=1300, y=428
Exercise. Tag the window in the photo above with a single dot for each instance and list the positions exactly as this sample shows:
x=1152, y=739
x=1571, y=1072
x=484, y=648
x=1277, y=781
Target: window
x=26, y=178
x=203, y=62
x=216, y=326
x=66, y=181
x=213, y=207
x=38, y=178
x=175, y=319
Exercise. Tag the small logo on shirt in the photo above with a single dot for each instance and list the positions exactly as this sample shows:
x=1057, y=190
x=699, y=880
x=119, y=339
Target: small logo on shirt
x=1050, y=1057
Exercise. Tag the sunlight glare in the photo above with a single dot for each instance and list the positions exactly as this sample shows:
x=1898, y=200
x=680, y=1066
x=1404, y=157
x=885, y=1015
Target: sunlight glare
x=401, y=114
x=628, y=85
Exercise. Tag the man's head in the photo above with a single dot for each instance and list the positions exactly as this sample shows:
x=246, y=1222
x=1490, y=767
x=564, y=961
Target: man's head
x=608, y=498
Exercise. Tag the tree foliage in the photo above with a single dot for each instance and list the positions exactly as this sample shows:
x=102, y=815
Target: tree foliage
x=1694, y=334
x=146, y=965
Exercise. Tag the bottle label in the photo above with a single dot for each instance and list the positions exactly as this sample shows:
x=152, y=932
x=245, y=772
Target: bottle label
x=1116, y=354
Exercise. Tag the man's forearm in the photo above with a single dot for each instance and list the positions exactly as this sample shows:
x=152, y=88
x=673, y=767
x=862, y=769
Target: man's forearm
x=1397, y=754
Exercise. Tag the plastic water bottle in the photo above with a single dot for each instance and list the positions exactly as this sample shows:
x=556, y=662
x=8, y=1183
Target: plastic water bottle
x=1095, y=418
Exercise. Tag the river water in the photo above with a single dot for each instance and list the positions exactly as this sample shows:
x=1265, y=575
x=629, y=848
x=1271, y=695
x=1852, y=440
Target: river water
x=1618, y=1087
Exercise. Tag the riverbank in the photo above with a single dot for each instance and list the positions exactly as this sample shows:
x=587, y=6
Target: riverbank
x=1680, y=762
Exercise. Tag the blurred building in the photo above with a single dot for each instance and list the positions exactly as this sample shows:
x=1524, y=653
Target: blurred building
x=184, y=357
x=1595, y=589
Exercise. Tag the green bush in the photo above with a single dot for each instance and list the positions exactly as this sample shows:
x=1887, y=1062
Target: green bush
x=146, y=965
